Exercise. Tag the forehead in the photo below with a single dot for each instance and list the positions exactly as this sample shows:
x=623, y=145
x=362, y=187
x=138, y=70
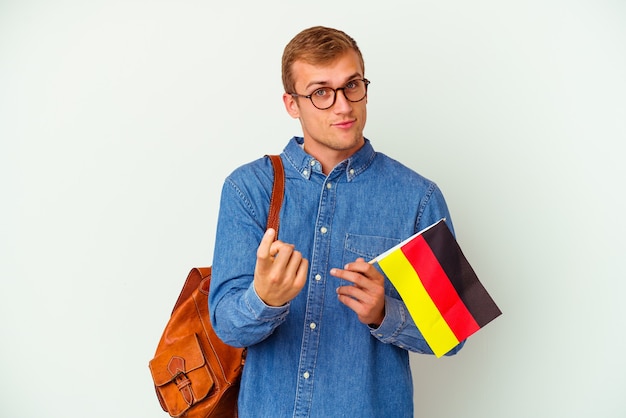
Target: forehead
x=334, y=73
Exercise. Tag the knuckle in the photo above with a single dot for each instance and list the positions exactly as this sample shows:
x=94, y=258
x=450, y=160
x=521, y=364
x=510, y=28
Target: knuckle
x=273, y=277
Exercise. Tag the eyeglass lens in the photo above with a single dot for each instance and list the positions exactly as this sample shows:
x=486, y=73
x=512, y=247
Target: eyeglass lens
x=324, y=97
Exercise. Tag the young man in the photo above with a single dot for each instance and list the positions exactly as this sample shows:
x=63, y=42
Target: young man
x=327, y=334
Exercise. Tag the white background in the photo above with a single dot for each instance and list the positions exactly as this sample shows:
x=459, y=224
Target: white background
x=120, y=119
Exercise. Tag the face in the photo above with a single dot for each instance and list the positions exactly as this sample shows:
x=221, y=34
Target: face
x=333, y=134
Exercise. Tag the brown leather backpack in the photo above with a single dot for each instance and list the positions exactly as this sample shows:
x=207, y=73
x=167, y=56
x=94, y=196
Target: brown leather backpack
x=195, y=374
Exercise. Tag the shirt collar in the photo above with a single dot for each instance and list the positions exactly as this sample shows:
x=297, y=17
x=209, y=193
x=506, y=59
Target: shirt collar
x=305, y=163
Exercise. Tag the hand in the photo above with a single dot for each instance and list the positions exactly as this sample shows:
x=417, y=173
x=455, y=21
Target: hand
x=366, y=296
x=280, y=271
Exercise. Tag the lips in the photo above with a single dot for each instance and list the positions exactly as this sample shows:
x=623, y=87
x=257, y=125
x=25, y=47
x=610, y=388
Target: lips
x=345, y=124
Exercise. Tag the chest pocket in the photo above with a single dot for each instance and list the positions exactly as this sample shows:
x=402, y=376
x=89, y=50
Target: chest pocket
x=369, y=247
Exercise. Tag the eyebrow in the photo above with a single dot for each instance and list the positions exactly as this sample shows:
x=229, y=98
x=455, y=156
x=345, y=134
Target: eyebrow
x=326, y=83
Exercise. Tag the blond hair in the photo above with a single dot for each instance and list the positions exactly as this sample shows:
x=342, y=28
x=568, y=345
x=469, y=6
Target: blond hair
x=317, y=45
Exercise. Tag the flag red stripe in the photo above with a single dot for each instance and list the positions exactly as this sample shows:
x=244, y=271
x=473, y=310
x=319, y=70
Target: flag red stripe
x=461, y=274
x=438, y=285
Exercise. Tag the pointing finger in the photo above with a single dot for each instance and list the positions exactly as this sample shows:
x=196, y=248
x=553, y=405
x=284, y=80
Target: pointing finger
x=263, y=251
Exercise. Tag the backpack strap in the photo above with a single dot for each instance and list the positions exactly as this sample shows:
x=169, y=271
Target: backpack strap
x=278, y=193
x=197, y=274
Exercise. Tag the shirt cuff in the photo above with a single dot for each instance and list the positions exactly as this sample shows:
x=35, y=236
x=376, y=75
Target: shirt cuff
x=260, y=310
x=394, y=322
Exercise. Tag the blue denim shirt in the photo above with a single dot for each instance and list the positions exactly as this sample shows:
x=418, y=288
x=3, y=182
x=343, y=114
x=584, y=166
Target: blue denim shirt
x=312, y=357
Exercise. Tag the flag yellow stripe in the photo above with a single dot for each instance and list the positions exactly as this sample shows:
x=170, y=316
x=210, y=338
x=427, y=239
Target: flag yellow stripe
x=425, y=314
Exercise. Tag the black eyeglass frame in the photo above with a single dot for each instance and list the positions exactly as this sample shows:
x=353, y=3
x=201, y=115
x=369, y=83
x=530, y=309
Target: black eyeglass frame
x=310, y=96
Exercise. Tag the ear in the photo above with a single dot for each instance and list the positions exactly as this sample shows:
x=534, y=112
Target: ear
x=291, y=105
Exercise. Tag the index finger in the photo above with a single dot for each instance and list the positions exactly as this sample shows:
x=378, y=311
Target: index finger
x=359, y=266
x=263, y=251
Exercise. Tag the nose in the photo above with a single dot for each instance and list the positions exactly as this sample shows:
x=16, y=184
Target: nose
x=342, y=104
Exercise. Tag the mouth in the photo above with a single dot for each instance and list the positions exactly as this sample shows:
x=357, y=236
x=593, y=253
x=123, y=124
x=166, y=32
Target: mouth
x=347, y=124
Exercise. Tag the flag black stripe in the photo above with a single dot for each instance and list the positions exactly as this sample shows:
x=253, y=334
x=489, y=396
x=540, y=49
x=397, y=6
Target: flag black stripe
x=461, y=274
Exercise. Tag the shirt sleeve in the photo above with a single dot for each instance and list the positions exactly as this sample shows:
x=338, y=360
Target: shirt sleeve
x=239, y=317
x=398, y=327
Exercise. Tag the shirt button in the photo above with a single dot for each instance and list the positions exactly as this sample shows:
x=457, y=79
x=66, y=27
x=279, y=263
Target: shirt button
x=305, y=172
x=318, y=277
x=323, y=230
x=352, y=171
x=313, y=325
x=306, y=375
x=312, y=163
x=328, y=185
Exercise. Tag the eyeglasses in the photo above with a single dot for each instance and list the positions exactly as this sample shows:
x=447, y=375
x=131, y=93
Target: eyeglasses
x=325, y=97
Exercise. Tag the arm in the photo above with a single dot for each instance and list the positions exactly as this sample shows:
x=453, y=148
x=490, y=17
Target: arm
x=249, y=294
x=387, y=317
x=386, y=314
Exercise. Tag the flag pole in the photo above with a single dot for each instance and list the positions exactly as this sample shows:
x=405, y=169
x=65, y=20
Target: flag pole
x=386, y=253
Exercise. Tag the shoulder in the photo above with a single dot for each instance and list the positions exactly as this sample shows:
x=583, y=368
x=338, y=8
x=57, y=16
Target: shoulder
x=390, y=167
x=404, y=185
x=252, y=174
x=250, y=184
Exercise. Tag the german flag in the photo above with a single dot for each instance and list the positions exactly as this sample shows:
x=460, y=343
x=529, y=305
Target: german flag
x=439, y=287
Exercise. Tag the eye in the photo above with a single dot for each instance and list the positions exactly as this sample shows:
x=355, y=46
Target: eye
x=323, y=92
x=352, y=84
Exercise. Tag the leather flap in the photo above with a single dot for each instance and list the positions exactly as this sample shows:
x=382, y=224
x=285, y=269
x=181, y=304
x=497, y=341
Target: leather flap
x=183, y=356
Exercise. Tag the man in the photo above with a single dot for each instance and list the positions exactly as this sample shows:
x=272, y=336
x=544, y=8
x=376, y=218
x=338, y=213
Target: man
x=326, y=332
